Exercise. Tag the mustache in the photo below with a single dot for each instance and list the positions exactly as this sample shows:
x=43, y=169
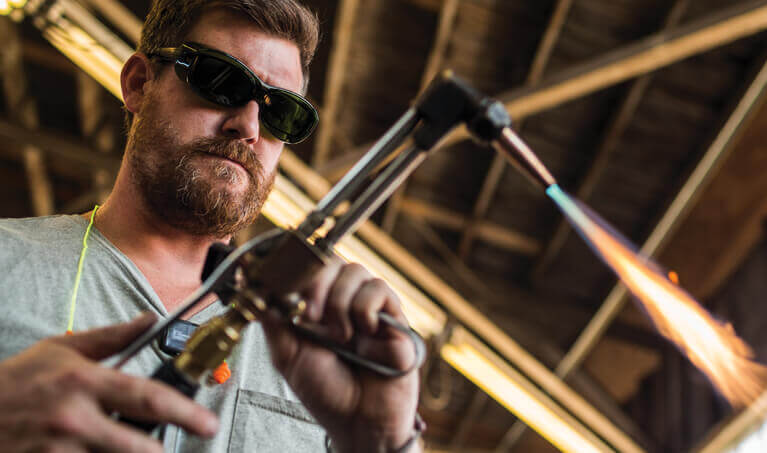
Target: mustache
x=231, y=149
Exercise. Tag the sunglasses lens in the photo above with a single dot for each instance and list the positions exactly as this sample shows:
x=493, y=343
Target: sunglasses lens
x=220, y=82
x=288, y=117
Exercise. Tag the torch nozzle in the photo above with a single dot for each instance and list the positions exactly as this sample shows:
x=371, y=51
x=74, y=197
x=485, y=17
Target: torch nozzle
x=523, y=158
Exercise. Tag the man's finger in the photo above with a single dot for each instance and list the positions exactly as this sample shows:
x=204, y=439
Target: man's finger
x=58, y=444
x=145, y=399
x=317, y=290
x=368, y=301
x=98, y=344
x=336, y=314
x=82, y=420
x=111, y=436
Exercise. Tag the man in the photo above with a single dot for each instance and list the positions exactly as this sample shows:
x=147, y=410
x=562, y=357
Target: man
x=195, y=171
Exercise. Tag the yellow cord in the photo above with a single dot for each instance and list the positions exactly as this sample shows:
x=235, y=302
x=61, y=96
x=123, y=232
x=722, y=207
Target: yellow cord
x=73, y=303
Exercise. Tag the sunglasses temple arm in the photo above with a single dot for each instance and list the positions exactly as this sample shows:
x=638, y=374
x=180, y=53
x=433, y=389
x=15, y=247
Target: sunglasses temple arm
x=348, y=185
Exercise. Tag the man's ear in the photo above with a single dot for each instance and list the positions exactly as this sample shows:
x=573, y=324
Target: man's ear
x=136, y=72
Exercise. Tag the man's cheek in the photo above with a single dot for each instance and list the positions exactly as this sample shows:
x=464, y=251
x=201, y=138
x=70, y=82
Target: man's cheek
x=269, y=160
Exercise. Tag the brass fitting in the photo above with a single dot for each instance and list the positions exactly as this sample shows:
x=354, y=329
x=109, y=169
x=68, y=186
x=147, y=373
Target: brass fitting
x=212, y=343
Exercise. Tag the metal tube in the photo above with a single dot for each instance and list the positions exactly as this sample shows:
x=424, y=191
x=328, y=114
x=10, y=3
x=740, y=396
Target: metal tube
x=377, y=153
x=376, y=193
x=523, y=158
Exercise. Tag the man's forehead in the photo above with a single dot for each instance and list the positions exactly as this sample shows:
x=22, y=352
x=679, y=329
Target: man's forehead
x=275, y=60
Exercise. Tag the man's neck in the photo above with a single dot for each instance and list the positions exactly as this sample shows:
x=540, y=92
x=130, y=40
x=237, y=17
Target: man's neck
x=170, y=259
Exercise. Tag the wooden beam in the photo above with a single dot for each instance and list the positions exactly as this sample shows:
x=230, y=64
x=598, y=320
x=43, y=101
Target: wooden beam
x=429, y=5
x=82, y=203
x=336, y=72
x=46, y=56
x=24, y=111
x=120, y=16
x=97, y=129
x=496, y=171
x=56, y=144
x=490, y=232
x=434, y=63
x=473, y=413
x=333, y=170
x=650, y=54
x=460, y=270
x=447, y=15
x=724, y=436
x=609, y=142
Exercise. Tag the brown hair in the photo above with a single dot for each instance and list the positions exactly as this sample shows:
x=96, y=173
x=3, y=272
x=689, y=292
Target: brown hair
x=169, y=21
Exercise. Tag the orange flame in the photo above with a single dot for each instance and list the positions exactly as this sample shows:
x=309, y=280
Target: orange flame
x=710, y=345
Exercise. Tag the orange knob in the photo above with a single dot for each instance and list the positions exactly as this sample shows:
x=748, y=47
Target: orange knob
x=222, y=373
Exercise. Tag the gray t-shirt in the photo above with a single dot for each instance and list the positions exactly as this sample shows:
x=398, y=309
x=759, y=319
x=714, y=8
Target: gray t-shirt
x=38, y=263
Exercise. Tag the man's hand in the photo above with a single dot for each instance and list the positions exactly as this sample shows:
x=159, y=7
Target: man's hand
x=54, y=397
x=361, y=411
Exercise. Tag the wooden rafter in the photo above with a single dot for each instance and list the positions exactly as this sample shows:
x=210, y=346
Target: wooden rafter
x=494, y=175
x=45, y=56
x=434, y=62
x=55, y=144
x=491, y=233
x=337, y=69
x=460, y=270
x=24, y=108
x=447, y=15
x=97, y=129
x=429, y=5
x=120, y=16
x=609, y=142
x=473, y=413
x=648, y=55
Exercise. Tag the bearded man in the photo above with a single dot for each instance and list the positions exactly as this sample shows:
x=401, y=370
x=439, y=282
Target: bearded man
x=212, y=96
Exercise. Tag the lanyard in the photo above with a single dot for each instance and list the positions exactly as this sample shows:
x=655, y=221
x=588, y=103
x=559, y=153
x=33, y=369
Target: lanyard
x=78, y=276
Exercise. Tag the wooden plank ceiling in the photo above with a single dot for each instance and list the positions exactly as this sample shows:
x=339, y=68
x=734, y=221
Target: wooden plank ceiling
x=625, y=145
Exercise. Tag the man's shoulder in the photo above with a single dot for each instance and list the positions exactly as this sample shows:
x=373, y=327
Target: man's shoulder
x=31, y=231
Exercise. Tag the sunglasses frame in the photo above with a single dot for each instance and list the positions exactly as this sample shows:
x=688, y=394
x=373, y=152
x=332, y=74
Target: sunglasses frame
x=184, y=59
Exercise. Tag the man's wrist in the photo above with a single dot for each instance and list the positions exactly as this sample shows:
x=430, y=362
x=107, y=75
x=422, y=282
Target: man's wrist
x=378, y=441
x=412, y=445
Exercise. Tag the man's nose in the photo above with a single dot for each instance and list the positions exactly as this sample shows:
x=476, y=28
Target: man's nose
x=242, y=123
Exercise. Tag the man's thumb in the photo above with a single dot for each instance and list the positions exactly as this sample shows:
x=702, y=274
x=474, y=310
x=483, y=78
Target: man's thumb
x=98, y=344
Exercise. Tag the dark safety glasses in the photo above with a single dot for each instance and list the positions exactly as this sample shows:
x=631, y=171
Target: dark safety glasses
x=225, y=80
